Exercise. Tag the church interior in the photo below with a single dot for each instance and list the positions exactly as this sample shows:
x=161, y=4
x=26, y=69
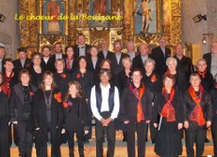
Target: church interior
x=179, y=21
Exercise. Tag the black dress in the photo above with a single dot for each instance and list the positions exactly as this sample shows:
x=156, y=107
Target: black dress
x=87, y=81
x=213, y=95
x=44, y=104
x=154, y=84
x=35, y=77
x=76, y=120
x=168, y=139
x=62, y=80
x=4, y=132
x=21, y=111
x=123, y=81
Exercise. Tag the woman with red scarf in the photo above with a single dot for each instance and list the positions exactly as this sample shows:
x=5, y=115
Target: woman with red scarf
x=214, y=119
x=136, y=113
x=198, y=115
x=71, y=61
x=169, y=111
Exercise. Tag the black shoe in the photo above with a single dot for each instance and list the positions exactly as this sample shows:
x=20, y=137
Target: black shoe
x=207, y=140
x=125, y=136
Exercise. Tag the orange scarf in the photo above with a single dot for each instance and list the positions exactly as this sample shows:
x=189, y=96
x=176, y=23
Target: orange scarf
x=6, y=85
x=68, y=64
x=201, y=73
x=138, y=94
x=197, y=113
x=168, y=110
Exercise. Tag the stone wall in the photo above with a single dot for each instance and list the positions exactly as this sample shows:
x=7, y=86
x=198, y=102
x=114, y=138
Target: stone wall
x=192, y=32
x=212, y=18
x=8, y=28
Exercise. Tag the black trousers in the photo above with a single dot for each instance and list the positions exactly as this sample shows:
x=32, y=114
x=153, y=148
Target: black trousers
x=153, y=131
x=197, y=134
x=4, y=141
x=101, y=132
x=15, y=135
x=141, y=129
x=214, y=135
x=41, y=143
x=71, y=143
x=89, y=135
x=25, y=139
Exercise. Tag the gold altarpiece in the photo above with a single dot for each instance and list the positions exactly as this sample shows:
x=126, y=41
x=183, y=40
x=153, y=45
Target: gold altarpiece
x=33, y=36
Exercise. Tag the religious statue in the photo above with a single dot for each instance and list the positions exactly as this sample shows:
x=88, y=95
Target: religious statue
x=146, y=16
x=100, y=7
x=118, y=13
x=53, y=9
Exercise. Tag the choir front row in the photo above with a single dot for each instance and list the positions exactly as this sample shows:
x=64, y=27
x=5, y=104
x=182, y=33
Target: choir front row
x=46, y=115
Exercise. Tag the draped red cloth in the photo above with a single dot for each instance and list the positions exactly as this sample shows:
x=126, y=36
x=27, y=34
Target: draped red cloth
x=138, y=94
x=168, y=110
x=68, y=63
x=6, y=85
x=197, y=113
x=201, y=73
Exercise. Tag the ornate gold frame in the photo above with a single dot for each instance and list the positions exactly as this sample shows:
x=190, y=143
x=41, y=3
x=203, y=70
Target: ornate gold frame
x=31, y=31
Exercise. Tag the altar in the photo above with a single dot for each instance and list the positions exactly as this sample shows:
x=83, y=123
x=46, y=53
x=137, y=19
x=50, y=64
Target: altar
x=97, y=20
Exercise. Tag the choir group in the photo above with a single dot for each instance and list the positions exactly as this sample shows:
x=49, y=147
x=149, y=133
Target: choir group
x=53, y=96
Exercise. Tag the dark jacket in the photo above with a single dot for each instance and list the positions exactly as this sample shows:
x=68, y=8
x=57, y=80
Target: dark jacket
x=208, y=58
x=138, y=63
x=95, y=70
x=3, y=68
x=74, y=66
x=160, y=60
x=185, y=65
x=206, y=104
x=86, y=81
x=117, y=67
x=18, y=66
x=153, y=83
x=213, y=95
x=35, y=77
x=49, y=66
x=109, y=56
x=207, y=82
x=87, y=50
x=40, y=115
x=80, y=118
x=128, y=107
x=17, y=102
x=62, y=81
x=123, y=81
x=181, y=83
x=4, y=109
x=160, y=101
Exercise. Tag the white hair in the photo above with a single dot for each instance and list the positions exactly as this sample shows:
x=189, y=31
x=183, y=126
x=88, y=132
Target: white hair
x=171, y=59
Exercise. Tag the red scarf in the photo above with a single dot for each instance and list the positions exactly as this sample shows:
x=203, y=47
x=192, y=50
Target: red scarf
x=168, y=110
x=6, y=85
x=138, y=94
x=197, y=113
x=201, y=73
x=215, y=85
x=68, y=63
x=167, y=72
